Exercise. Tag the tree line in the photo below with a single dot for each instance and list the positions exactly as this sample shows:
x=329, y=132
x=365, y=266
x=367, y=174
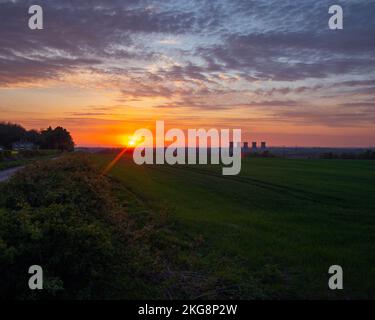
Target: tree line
x=366, y=155
x=58, y=138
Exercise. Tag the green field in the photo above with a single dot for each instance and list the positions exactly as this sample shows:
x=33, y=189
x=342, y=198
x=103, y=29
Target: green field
x=271, y=232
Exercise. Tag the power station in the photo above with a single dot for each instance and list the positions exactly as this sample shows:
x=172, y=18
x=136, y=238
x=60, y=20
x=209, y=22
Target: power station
x=254, y=146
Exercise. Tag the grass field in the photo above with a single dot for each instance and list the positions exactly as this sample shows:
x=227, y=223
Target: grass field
x=271, y=232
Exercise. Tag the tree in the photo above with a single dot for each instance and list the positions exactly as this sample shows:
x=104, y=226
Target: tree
x=33, y=136
x=58, y=138
x=10, y=133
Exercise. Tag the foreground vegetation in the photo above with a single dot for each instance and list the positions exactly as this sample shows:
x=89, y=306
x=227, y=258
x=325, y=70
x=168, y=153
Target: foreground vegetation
x=187, y=231
x=63, y=215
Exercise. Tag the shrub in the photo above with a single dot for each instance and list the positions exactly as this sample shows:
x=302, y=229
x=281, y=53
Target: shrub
x=61, y=215
x=5, y=155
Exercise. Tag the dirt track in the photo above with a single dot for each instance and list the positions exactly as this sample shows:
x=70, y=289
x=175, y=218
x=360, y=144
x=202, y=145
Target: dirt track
x=6, y=174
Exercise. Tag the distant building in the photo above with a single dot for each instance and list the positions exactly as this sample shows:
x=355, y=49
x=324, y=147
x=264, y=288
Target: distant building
x=245, y=148
x=254, y=145
x=263, y=145
x=23, y=146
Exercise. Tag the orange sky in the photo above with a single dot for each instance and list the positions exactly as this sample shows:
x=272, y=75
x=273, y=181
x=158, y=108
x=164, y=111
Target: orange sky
x=284, y=79
x=96, y=117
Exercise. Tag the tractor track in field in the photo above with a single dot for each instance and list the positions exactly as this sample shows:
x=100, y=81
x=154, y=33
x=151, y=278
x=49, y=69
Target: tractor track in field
x=294, y=192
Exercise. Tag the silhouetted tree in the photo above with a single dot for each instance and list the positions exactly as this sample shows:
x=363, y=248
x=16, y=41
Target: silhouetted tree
x=10, y=133
x=33, y=136
x=58, y=138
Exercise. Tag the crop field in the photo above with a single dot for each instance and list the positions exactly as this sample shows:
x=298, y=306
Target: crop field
x=271, y=232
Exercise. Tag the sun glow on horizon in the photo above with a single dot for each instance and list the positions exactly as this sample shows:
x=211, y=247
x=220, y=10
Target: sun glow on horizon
x=132, y=143
x=129, y=141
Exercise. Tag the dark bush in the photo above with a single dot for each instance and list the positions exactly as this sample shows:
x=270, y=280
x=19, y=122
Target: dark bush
x=61, y=215
x=5, y=155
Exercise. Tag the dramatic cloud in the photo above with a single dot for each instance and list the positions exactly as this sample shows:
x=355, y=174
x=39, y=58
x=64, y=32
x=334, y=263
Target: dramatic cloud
x=269, y=59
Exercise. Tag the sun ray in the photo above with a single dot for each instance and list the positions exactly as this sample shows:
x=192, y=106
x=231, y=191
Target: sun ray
x=113, y=162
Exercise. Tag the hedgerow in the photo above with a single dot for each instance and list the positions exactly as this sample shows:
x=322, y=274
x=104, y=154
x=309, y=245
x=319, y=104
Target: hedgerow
x=62, y=215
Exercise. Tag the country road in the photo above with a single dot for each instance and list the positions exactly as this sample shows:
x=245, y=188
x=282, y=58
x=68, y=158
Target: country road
x=6, y=174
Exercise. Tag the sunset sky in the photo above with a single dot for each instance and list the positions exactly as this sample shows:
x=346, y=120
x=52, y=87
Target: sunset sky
x=105, y=68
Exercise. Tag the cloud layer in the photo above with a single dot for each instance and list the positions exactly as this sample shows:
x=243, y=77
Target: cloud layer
x=271, y=59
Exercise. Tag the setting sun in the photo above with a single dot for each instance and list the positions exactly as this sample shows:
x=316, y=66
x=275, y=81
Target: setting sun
x=132, y=143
